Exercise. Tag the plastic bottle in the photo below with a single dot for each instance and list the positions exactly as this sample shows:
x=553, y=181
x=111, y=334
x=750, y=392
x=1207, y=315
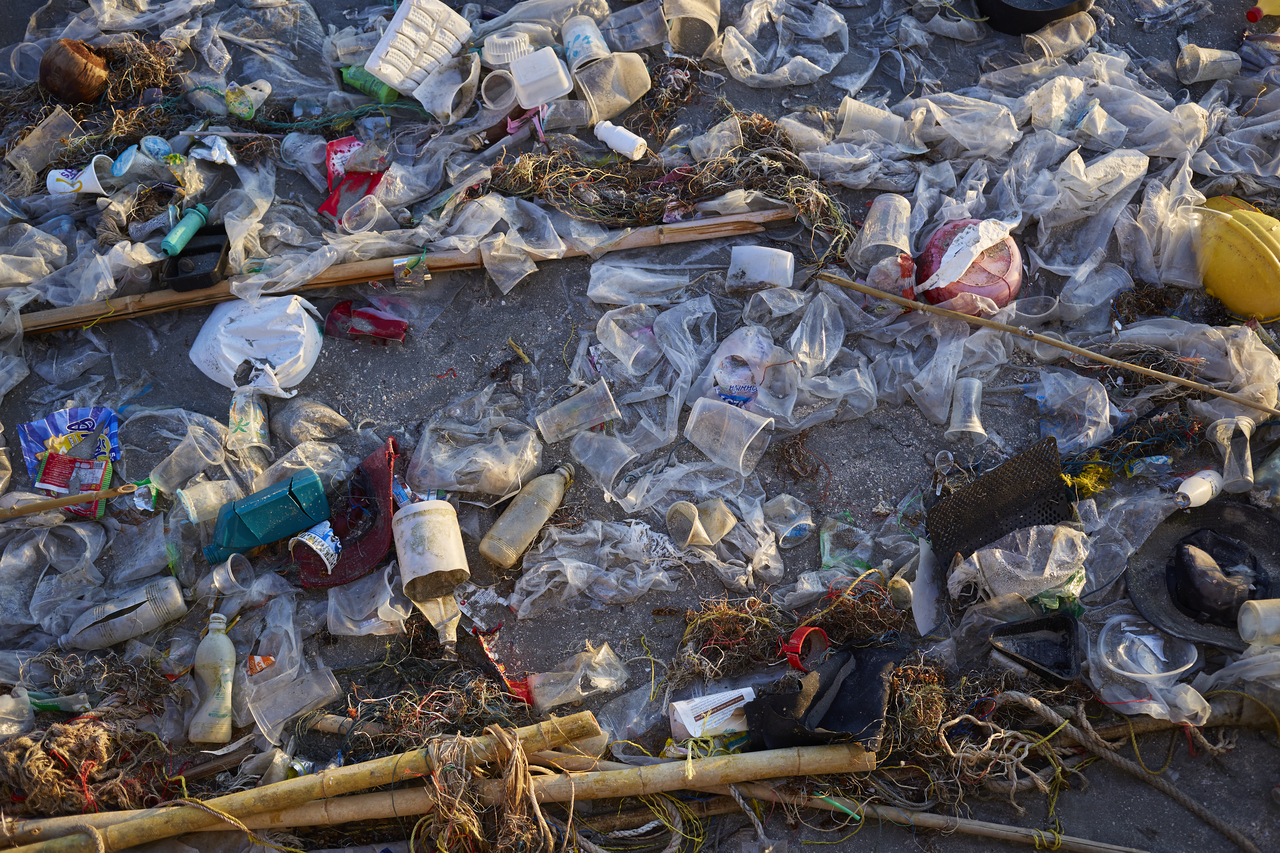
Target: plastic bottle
x=515, y=529
x=214, y=666
x=362, y=81
x=192, y=221
x=621, y=140
x=1198, y=489
x=129, y=616
x=1264, y=7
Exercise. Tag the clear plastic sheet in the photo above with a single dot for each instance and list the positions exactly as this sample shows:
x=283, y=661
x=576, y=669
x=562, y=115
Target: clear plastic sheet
x=800, y=51
x=1041, y=563
x=585, y=674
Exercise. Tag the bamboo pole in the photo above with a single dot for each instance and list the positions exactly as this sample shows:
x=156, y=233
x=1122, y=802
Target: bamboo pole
x=160, y=301
x=69, y=500
x=156, y=824
x=1063, y=345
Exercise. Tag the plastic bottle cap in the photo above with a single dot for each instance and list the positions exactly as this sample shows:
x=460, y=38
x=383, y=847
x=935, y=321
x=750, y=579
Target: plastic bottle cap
x=217, y=621
x=1254, y=15
x=501, y=50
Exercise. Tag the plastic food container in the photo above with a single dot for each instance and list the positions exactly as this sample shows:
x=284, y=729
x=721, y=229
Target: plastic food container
x=429, y=547
x=1134, y=648
x=540, y=77
x=422, y=35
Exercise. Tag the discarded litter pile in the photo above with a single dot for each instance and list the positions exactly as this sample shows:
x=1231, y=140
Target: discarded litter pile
x=241, y=612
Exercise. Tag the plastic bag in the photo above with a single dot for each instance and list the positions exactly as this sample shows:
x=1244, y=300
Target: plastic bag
x=476, y=445
x=1043, y=563
x=800, y=55
x=328, y=460
x=1078, y=412
x=302, y=420
x=139, y=551
x=372, y=605
x=615, y=283
x=585, y=674
x=271, y=345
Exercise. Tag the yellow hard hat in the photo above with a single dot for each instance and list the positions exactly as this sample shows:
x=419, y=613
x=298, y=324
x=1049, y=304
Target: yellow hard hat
x=1238, y=252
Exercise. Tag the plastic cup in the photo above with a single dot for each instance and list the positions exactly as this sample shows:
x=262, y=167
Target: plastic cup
x=498, y=91
x=759, y=267
x=717, y=519
x=855, y=116
x=685, y=527
x=612, y=84
x=582, y=411
x=1197, y=64
x=602, y=456
x=198, y=450
x=1232, y=435
x=1040, y=351
x=1034, y=311
x=234, y=577
x=84, y=180
x=583, y=42
x=790, y=518
x=368, y=214
x=203, y=500
x=692, y=25
x=966, y=409
x=886, y=232
x=1259, y=622
x=450, y=89
x=729, y=436
x=1060, y=38
x=429, y=549
x=1122, y=650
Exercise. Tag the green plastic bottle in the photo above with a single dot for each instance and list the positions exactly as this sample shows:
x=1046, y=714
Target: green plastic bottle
x=361, y=80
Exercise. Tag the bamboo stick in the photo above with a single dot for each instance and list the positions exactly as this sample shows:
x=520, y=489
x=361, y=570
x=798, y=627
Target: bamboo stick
x=1063, y=345
x=156, y=824
x=69, y=500
x=160, y=301
x=335, y=725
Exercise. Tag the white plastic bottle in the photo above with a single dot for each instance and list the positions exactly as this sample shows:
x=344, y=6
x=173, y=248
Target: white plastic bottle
x=518, y=526
x=129, y=616
x=214, y=667
x=621, y=140
x=1199, y=489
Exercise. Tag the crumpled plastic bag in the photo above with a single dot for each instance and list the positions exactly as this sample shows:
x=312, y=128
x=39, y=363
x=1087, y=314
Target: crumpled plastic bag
x=604, y=562
x=302, y=420
x=1077, y=410
x=1087, y=200
x=270, y=346
x=1042, y=563
x=46, y=571
x=800, y=54
x=374, y=604
x=585, y=674
x=476, y=445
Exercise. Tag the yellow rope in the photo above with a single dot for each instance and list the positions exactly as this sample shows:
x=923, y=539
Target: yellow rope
x=1133, y=738
x=1043, y=841
x=103, y=317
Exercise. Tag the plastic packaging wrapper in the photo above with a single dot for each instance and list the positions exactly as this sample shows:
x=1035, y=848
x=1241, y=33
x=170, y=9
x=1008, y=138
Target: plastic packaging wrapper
x=64, y=429
x=372, y=605
x=1078, y=412
x=1087, y=202
x=1257, y=664
x=476, y=445
x=802, y=53
x=604, y=562
x=302, y=420
x=1042, y=563
x=270, y=346
x=28, y=254
x=585, y=674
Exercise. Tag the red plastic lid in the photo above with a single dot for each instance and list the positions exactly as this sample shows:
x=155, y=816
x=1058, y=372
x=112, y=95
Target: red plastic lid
x=1254, y=15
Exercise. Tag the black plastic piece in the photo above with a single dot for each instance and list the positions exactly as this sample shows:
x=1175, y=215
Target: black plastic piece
x=1049, y=646
x=203, y=263
x=1017, y=17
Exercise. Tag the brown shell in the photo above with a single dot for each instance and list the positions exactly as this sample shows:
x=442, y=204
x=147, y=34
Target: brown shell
x=72, y=72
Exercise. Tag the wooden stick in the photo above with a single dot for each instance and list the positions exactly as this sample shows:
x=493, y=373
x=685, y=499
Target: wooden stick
x=155, y=824
x=1063, y=345
x=69, y=500
x=160, y=301
x=335, y=725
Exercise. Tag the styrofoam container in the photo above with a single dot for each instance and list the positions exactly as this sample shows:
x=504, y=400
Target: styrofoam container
x=429, y=548
x=422, y=35
x=540, y=77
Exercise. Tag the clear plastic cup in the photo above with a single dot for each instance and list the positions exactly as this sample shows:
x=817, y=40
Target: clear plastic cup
x=1034, y=311
x=1259, y=622
x=692, y=25
x=685, y=527
x=234, y=577
x=198, y=450
x=729, y=436
x=611, y=85
x=602, y=456
x=855, y=116
x=1040, y=351
x=1060, y=38
x=1231, y=435
x=886, y=232
x=368, y=215
x=1197, y=64
x=790, y=518
x=717, y=519
x=203, y=500
x=966, y=411
x=582, y=411
x=498, y=90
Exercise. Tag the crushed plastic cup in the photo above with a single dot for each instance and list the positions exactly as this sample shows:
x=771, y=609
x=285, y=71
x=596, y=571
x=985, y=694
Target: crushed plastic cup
x=692, y=25
x=1231, y=436
x=1259, y=622
x=231, y=578
x=584, y=410
x=583, y=42
x=429, y=549
x=635, y=27
x=855, y=116
x=313, y=690
x=133, y=164
x=1034, y=312
x=44, y=143
x=87, y=179
x=1198, y=64
x=1062, y=37
x=199, y=449
x=1039, y=350
x=731, y=437
x=355, y=50
x=759, y=267
x=368, y=214
x=703, y=525
x=887, y=231
x=612, y=84
x=498, y=90
x=790, y=518
x=203, y=500
x=540, y=77
x=627, y=333
x=600, y=455
x=966, y=411
x=450, y=89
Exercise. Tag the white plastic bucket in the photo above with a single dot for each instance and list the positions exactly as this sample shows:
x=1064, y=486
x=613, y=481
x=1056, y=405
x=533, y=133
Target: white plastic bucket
x=429, y=548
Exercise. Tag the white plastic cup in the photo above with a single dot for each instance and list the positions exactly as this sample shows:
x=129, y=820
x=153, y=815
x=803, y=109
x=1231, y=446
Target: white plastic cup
x=966, y=411
x=886, y=232
x=731, y=437
x=498, y=90
x=203, y=500
x=758, y=267
x=583, y=42
x=1231, y=435
x=585, y=410
x=1198, y=64
x=1259, y=622
x=368, y=214
x=85, y=180
x=1062, y=37
x=234, y=577
x=429, y=549
x=855, y=116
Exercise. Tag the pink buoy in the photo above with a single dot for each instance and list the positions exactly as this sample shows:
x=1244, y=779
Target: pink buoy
x=996, y=274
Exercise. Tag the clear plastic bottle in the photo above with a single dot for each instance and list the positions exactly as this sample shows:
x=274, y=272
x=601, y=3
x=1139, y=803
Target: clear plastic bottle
x=1198, y=489
x=515, y=529
x=214, y=667
x=126, y=617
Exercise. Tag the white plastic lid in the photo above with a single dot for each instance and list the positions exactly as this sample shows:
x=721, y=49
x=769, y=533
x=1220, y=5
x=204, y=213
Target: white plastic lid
x=500, y=50
x=217, y=622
